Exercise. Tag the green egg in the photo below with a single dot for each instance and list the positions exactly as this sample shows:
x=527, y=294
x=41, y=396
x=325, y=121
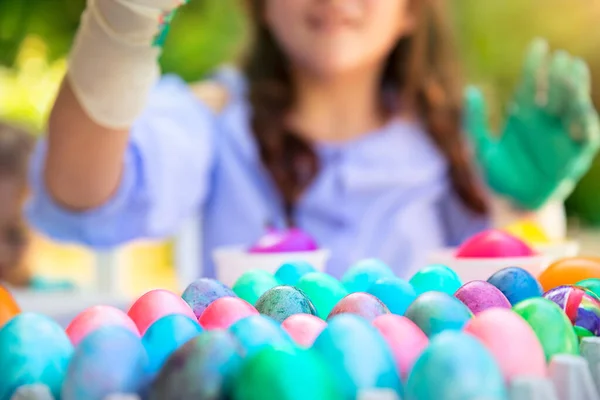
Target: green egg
x=282, y=301
x=436, y=277
x=551, y=326
x=323, y=290
x=591, y=284
x=253, y=284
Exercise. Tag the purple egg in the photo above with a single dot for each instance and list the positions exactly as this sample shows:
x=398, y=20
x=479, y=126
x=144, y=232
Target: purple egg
x=362, y=304
x=202, y=292
x=480, y=295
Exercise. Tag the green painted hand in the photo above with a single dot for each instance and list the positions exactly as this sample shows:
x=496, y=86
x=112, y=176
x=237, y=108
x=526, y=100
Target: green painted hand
x=551, y=135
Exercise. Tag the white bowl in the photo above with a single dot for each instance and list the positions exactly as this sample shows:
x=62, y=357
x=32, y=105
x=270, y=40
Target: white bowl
x=555, y=251
x=231, y=262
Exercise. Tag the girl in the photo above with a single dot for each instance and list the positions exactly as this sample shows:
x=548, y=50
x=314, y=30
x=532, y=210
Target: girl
x=345, y=122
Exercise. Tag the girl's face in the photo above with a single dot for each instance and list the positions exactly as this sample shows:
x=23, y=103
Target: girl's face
x=332, y=37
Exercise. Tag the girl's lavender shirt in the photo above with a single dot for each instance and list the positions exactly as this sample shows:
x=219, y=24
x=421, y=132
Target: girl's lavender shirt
x=385, y=195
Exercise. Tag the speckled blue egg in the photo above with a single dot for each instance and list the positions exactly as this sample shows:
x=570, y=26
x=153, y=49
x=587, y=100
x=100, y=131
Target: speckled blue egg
x=358, y=355
x=281, y=302
x=259, y=331
x=200, y=293
x=290, y=272
x=363, y=274
x=436, y=277
x=33, y=350
x=455, y=366
x=435, y=312
x=397, y=294
x=109, y=360
x=516, y=284
x=165, y=336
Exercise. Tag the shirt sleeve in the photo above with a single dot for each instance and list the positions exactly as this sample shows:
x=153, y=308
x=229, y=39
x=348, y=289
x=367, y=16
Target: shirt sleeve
x=460, y=223
x=166, y=177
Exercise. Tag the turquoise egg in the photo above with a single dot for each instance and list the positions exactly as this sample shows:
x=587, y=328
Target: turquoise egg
x=516, y=284
x=435, y=312
x=282, y=301
x=436, y=277
x=165, y=336
x=455, y=366
x=323, y=290
x=109, y=360
x=363, y=274
x=358, y=356
x=253, y=284
x=33, y=350
x=395, y=293
x=259, y=331
x=290, y=272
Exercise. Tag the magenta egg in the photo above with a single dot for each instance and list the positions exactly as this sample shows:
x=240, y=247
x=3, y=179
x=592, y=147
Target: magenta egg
x=157, y=304
x=303, y=328
x=224, y=312
x=97, y=317
x=480, y=295
x=361, y=304
x=494, y=244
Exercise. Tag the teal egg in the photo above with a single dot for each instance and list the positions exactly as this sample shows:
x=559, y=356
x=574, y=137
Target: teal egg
x=282, y=301
x=253, y=284
x=290, y=272
x=109, y=360
x=165, y=336
x=33, y=350
x=323, y=290
x=395, y=293
x=258, y=331
x=436, y=278
x=455, y=366
x=358, y=356
x=363, y=274
x=435, y=312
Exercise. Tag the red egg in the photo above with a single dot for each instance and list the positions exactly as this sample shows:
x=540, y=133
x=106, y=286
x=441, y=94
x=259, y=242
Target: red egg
x=303, y=328
x=97, y=317
x=156, y=304
x=494, y=244
x=223, y=312
x=360, y=303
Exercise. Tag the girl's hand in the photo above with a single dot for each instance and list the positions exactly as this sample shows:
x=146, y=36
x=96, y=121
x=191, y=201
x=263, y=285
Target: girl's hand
x=551, y=135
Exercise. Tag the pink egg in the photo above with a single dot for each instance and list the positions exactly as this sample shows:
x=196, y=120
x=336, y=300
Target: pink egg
x=303, y=328
x=97, y=317
x=157, y=304
x=494, y=244
x=511, y=340
x=223, y=312
x=480, y=295
x=404, y=338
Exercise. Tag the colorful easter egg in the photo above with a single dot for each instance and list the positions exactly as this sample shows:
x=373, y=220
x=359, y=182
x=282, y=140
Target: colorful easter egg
x=435, y=312
x=258, y=331
x=203, y=369
x=165, y=336
x=395, y=293
x=285, y=374
x=363, y=304
x=569, y=271
x=8, y=306
x=290, y=272
x=323, y=290
x=253, y=284
x=223, y=312
x=580, y=305
x=363, y=274
x=109, y=360
x=511, y=341
x=480, y=295
x=494, y=244
x=592, y=284
x=283, y=241
x=455, y=366
x=96, y=317
x=33, y=350
x=516, y=284
x=156, y=304
x=435, y=277
x=282, y=301
x=304, y=328
x=551, y=326
x=405, y=339
x=358, y=356
x=200, y=293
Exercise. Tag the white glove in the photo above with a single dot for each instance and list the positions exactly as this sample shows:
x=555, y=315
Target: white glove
x=114, y=59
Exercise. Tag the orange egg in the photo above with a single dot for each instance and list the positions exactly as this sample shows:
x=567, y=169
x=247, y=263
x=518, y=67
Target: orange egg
x=8, y=306
x=569, y=271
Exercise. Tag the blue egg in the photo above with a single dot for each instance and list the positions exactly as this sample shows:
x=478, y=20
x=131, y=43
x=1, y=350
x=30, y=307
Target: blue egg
x=365, y=273
x=395, y=293
x=33, y=350
x=291, y=272
x=109, y=360
x=455, y=366
x=165, y=336
x=358, y=355
x=258, y=331
x=516, y=284
x=436, y=277
x=202, y=292
x=435, y=312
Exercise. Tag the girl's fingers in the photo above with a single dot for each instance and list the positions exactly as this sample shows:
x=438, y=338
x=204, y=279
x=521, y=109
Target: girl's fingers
x=534, y=69
x=559, y=84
